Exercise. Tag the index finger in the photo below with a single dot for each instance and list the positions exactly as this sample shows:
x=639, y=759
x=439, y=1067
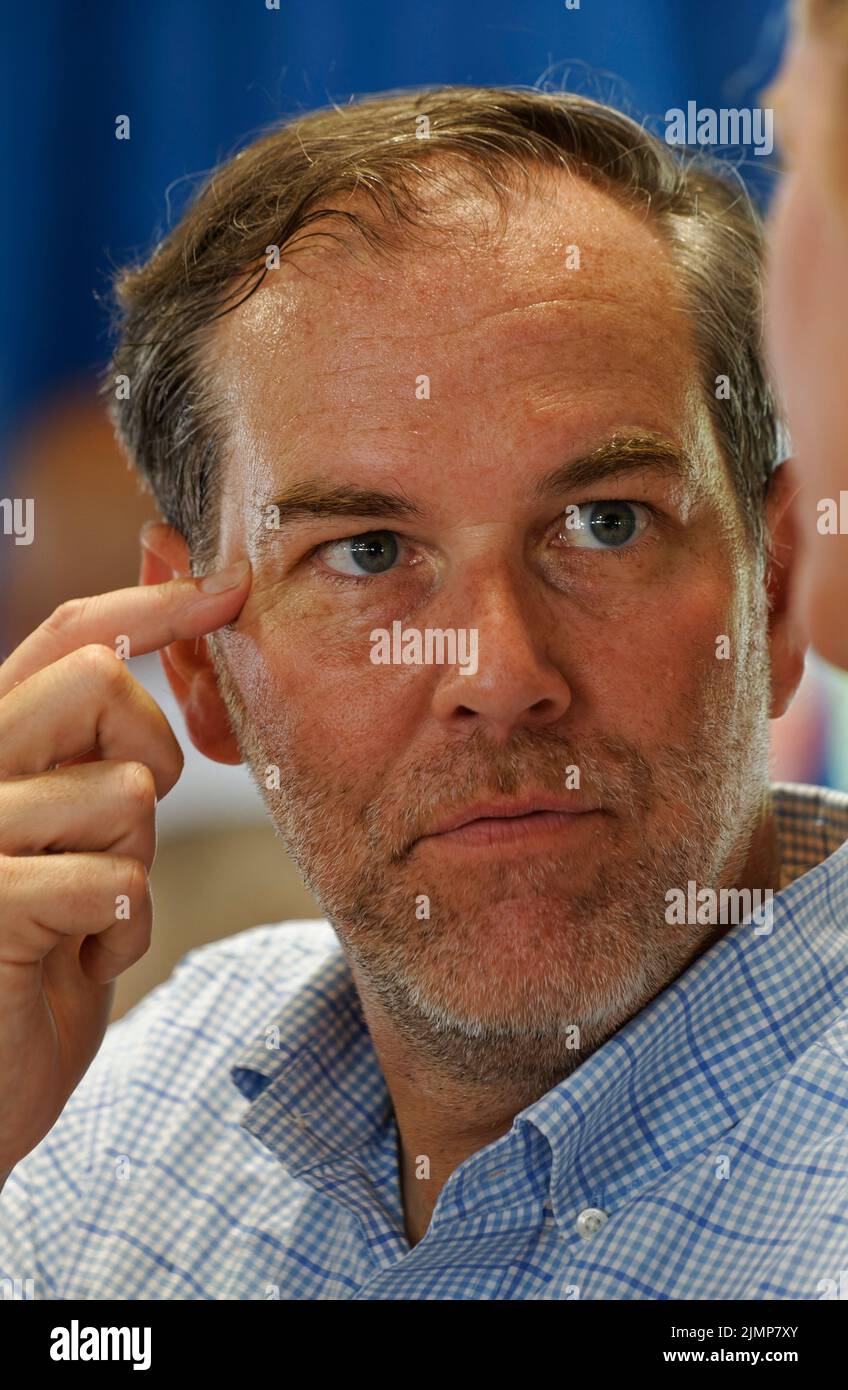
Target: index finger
x=150, y=616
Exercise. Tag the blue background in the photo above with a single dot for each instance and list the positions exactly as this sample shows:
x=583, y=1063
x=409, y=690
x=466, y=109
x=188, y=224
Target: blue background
x=197, y=76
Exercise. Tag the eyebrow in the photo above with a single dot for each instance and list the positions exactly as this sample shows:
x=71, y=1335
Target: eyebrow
x=315, y=498
x=618, y=456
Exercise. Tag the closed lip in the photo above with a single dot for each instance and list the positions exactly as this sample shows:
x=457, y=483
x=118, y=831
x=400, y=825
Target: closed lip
x=497, y=810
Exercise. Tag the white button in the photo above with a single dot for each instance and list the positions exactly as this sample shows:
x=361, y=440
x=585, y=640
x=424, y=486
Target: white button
x=590, y=1220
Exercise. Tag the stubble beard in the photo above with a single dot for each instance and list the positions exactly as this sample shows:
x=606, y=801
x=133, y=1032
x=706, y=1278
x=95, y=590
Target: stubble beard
x=574, y=962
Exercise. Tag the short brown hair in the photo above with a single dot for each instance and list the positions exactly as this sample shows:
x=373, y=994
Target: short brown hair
x=286, y=180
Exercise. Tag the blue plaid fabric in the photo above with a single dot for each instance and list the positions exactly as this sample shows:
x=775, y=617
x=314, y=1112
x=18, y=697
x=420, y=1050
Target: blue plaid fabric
x=234, y=1138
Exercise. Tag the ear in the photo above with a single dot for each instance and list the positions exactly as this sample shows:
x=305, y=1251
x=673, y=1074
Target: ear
x=187, y=664
x=787, y=641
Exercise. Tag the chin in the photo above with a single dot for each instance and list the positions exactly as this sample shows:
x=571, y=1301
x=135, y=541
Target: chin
x=523, y=962
x=527, y=1003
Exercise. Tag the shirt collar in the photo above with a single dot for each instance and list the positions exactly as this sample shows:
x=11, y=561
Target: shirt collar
x=313, y=1077
x=660, y=1091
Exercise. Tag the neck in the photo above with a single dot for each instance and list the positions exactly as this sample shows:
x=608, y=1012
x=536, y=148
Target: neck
x=441, y=1121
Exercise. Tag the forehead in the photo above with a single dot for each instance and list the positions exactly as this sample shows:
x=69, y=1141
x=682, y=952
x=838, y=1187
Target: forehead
x=570, y=315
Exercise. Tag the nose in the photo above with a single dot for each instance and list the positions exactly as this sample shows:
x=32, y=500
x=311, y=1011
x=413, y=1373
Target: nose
x=516, y=685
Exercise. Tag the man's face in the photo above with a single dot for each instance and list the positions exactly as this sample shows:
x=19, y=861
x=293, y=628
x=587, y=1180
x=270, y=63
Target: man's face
x=599, y=647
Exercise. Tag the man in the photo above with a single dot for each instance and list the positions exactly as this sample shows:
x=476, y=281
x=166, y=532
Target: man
x=503, y=382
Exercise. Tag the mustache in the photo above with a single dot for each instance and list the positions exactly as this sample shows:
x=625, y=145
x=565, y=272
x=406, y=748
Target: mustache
x=613, y=775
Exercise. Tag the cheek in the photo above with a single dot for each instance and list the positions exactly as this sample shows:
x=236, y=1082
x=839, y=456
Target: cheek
x=317, y=697
x=652, y=681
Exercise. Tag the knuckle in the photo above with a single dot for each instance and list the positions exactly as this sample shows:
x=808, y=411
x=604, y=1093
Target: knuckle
x=103, y=666
x=65, y=617
x=177, y=758
x=133, y=881
x=139, y=786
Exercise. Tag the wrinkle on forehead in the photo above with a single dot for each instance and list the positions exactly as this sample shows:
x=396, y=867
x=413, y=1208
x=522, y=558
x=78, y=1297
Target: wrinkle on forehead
x=440, y=291
x=326, y=341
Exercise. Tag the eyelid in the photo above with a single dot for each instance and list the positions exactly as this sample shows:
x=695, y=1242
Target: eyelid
x=652, y=512
x=404, y=544
x=400, y=540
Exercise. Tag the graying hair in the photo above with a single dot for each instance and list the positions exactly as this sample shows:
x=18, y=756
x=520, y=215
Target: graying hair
x=285, y=181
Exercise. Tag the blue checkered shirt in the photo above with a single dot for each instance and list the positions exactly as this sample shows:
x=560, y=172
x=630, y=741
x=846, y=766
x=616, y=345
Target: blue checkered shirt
x=234, y=1137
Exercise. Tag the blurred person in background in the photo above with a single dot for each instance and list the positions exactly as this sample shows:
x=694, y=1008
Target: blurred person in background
x=808, y=306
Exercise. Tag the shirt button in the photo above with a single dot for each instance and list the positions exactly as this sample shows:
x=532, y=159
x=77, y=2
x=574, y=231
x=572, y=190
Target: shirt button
x=590, y=1220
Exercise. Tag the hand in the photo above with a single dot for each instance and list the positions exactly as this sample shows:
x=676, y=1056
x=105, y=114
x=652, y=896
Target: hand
x=85, y=753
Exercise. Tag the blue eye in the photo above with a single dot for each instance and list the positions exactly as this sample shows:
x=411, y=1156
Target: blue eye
x=604, y=525
x=374, y=552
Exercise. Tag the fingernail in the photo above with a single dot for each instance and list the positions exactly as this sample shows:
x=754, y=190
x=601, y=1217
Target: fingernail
x=229, y=578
